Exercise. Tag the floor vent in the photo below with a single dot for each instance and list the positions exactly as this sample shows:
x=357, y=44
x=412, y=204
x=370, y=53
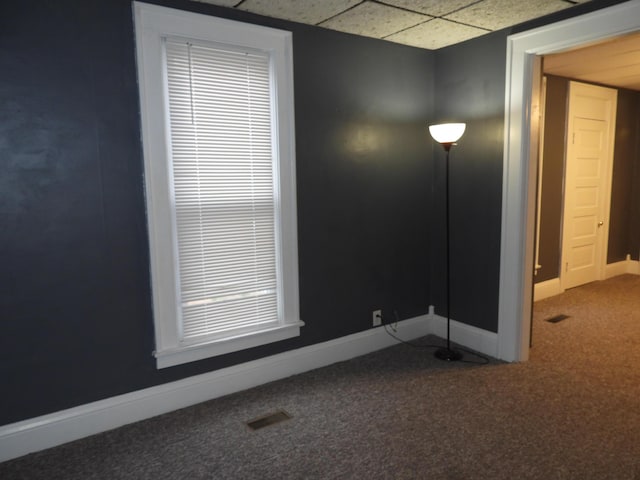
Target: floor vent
x=266, y=420
x=557, y=318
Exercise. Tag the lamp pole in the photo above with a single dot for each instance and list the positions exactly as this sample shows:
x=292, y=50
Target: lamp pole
x=447, y=353
x=446, y=135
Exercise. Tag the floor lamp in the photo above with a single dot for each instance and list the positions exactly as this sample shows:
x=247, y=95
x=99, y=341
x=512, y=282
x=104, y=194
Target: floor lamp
x=446, y=134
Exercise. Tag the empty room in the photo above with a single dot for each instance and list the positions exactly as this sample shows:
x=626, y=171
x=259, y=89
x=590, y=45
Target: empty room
x=319, y=239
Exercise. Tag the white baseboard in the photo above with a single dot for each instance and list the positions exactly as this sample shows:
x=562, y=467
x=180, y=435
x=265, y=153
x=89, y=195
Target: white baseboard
x=552, y=287
x=471, y=337
x=615, y=269
x=47, y=431
x=620, y=268
x=546, y=289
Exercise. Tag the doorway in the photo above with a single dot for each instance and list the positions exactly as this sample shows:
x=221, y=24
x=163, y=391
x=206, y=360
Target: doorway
x=575, y=180
x=519, y=179
x=587, y=192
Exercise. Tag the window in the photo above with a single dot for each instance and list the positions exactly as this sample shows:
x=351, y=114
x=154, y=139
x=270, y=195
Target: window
x=217, y=124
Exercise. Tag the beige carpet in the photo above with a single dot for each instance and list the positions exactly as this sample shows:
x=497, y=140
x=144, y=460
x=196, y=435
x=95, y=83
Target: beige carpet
x=572, y=412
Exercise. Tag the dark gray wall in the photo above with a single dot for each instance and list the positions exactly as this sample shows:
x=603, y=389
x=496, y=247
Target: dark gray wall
x=75, y=299
x=552, y=178
x=470, y=80
x=634, y=230
x=624, y=218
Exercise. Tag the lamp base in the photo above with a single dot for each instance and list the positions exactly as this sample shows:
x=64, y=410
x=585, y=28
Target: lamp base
x=447, y=355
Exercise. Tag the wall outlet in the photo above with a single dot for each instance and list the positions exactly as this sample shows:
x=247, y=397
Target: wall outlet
x=377, y=318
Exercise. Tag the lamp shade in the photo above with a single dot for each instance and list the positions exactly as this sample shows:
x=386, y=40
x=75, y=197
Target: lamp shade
x=447, y=132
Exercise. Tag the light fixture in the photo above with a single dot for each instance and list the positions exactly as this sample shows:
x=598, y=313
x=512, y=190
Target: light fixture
x=447, y=134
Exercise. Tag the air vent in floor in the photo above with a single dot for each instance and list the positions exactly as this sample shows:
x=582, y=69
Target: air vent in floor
x=271, y=419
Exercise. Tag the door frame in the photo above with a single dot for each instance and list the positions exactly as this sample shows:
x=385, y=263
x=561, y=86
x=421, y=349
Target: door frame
x=519, y=165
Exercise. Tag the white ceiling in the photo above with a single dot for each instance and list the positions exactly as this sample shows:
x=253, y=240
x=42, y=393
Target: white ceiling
x=430, y=24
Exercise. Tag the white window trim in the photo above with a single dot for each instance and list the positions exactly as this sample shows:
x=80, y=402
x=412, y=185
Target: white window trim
x=152, y=23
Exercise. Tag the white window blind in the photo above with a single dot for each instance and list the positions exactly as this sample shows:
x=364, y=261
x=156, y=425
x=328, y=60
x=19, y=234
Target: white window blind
x=216, y=100
x=221, y=142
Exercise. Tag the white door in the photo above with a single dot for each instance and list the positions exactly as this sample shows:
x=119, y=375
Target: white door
x=589, y=163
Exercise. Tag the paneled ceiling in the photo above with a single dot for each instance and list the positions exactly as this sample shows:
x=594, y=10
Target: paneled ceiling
x=430, y=24
x=615, y=63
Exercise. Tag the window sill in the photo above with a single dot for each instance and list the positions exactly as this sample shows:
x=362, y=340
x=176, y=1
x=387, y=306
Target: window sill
x=177, y=356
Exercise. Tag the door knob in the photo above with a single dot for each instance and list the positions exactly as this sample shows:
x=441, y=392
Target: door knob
x=600, y=223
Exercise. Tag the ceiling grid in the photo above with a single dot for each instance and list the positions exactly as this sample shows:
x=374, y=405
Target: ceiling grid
x=429, y=24
x=434, y=24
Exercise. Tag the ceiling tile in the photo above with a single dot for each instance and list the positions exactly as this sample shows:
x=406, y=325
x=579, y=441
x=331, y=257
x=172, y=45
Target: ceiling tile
x=436, y=34
x=308, y=11
x=497, y=14
x=222, y=3
x=401, y=21
x=374, y=20
x=431, y=7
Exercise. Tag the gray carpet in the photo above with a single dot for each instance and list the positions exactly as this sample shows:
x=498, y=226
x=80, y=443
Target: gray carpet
x=572, y=412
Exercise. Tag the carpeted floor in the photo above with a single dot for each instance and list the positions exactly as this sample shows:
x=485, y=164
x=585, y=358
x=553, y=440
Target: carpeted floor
x=571, y=412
